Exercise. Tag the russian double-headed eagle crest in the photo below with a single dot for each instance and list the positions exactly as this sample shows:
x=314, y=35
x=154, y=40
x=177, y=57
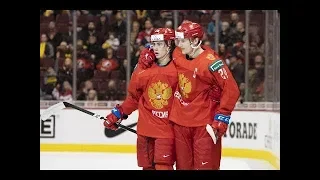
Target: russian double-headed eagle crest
x=184, y=85
x=159, y=94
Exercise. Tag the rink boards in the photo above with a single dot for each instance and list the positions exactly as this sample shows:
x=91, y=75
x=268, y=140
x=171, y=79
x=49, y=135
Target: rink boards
x=253, y=133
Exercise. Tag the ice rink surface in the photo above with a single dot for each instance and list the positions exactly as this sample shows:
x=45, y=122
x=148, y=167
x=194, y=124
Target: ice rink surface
x=117, y=161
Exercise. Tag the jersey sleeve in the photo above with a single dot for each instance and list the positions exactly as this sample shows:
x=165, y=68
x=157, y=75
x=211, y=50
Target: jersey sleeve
x=229, y=88
x=131, y=102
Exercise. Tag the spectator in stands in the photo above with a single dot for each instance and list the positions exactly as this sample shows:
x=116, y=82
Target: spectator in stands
x=103, y=25
x=112, y=90
x=238, y=35
x=46, y=48
x=240, y=30
x=234, y=20
x=119, y=26
x=160, y=22
x=223, y=53
x=109, y=63
x=123, y=69
x=239, y=51
x=92, y=95
x=64, y=50
x=212, y=26
x=134, y=32
x=237, y=69
x=224, y=37
x=258, y=40
x=145, y=35
x=54, y=37
x=63, y=92
x=85, y=70
x=50, y=81
x=113, y=41
x=65, y=72
x=254, y=50
x=125, y=63
x=85, y=33
x=256, y=80
x=82, y=50
x=95, y=50
x=87, y=86
x=68, y=36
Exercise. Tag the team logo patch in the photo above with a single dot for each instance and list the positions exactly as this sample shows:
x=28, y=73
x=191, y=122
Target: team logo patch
x=159, y=94
x=211, y=57
x=185, y=85
x=216, y=65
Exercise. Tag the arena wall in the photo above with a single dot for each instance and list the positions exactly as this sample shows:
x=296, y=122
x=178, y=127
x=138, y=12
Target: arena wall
x=254, y=132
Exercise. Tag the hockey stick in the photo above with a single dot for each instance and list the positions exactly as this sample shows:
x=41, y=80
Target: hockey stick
x=61, y=105
x=211, y=133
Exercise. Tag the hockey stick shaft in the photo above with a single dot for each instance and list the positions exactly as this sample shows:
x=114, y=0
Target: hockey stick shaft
x=96, y=115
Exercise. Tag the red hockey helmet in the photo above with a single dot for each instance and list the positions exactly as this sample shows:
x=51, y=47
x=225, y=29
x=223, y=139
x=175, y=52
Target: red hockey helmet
x=189, y=29
x=162, y=34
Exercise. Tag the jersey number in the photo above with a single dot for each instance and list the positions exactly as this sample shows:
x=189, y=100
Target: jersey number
x=223, y=73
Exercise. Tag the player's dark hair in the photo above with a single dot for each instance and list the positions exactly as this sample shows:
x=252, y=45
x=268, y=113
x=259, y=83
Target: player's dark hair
x=172, y=46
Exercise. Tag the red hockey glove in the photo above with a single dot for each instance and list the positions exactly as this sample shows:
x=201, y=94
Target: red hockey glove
x=114, y=118
x=220, y=124
x=147, y=58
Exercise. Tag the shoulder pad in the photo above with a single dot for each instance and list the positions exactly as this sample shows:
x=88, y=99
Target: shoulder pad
x=216, y=65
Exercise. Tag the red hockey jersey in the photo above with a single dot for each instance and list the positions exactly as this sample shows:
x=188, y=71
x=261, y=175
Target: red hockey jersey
x=151, y=92
x=203, y=82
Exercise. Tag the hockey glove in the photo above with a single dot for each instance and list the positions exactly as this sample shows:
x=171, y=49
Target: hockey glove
x=218, y=127
x=147, y=58
x=220, y=124
x=114, y=118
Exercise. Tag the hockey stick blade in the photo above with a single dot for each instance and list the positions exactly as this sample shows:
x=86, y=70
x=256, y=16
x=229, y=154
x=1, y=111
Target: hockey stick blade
x=211, y=133
x=52, y=110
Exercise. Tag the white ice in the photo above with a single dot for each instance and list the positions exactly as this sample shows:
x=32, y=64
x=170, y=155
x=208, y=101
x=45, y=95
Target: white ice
x=123, y=161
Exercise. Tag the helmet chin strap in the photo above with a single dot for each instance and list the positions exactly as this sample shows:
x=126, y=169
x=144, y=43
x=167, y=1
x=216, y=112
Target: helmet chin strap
x=194, y=48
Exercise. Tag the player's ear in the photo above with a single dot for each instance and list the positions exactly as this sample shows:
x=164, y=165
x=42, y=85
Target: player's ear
x=196, y=41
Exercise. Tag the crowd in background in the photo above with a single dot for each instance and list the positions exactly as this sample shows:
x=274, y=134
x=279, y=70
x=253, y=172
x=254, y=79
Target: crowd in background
x=101, y=49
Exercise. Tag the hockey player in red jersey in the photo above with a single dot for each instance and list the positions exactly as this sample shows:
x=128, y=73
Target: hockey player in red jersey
x=205, y=97
x=151, y=92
